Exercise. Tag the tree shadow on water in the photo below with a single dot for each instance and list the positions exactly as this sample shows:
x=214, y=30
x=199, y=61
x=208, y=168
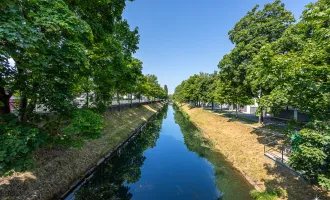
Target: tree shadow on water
x=111, y=179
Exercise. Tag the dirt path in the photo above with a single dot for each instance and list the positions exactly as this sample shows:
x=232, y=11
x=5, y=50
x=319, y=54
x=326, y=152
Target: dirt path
x=243, y=146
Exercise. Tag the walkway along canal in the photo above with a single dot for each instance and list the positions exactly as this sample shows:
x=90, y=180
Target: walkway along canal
x=167, y=160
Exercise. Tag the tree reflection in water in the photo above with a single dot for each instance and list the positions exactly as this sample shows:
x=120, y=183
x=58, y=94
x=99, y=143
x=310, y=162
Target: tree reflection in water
x=108, y=181
x=227, y=179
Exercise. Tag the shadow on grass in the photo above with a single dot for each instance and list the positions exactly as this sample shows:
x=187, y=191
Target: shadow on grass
x=233, y=118
x=296, y=187
x=281, y=176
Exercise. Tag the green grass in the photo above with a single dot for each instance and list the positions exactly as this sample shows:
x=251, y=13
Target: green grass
x=268, y=194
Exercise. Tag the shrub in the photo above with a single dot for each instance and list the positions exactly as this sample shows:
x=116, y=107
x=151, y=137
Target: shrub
x=85, y=123
x=17, y=144
x=311, y=153
x=268, y=194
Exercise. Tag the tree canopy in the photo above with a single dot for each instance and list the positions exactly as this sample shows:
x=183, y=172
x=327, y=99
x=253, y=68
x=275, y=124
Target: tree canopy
x=52, y=52
x=279, y=64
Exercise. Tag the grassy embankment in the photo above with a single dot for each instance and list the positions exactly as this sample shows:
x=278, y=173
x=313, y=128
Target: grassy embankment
x=58, y=168
x=243, y=146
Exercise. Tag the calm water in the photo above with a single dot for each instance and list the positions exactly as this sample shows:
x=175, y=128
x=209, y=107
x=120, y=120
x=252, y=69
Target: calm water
x=168, y=160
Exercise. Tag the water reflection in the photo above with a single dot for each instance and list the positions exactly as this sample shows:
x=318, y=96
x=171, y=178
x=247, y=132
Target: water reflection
x=108, y=182
x=168, y=160
x=231, y=184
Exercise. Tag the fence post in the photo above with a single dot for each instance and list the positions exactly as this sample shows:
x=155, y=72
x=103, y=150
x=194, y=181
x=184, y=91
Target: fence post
x=282, y=152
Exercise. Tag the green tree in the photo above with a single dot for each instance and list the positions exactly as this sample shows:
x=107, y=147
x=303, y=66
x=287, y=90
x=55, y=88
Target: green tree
x=54, y=51
x=253, y=31
x=152, y=88
x=295, y=68
x=166, y=90
x=47, y=43
x=312, y=153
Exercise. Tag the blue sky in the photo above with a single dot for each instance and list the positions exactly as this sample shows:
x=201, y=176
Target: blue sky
x=182, y=37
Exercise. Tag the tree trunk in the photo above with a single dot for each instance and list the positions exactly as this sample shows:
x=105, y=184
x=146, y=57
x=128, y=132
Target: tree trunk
x=212, y=105
x=22, y=109
x=261, y=117
x=31, y=106
x=236, y=110
x=220, y=107
x=4, y=102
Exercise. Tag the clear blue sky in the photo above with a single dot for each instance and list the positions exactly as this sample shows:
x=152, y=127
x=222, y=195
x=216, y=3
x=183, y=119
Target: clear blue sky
x=182, y=37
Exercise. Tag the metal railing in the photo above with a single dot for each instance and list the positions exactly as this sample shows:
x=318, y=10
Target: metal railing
x=277, y=152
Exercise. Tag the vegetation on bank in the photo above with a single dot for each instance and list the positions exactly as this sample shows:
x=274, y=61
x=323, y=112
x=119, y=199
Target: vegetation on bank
x=280, y=63
x=56, y=168
x=205, y=147
x=52, y=52
x=243, y=146
x=107, y=182
x=268, y=195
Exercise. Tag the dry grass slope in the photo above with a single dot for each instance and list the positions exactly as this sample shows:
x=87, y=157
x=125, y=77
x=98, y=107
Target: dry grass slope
x=243, y=147
x=57, y=168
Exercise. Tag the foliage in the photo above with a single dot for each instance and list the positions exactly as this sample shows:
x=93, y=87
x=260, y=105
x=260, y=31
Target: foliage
x=17, y=144
x=84, y=123
x=52, y=52
x=152, y=88
x=48, y=43
x=166, y=90
x=72, y=48
x=243, y=77
x=311, y=153
x=295, y=68
x=268, y=194
x=196, y=89
x=280, y=64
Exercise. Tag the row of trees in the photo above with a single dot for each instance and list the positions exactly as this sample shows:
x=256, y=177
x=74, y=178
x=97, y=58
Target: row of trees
x=280, y=63
x=205, y=88
x=52, y=52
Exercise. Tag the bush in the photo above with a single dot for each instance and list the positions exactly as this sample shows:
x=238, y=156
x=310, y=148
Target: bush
x=311, y=153
x=85, y=123
x=268, y=194
x=17, y=144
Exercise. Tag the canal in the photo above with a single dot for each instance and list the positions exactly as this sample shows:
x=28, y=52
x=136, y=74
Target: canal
x=168, y=160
